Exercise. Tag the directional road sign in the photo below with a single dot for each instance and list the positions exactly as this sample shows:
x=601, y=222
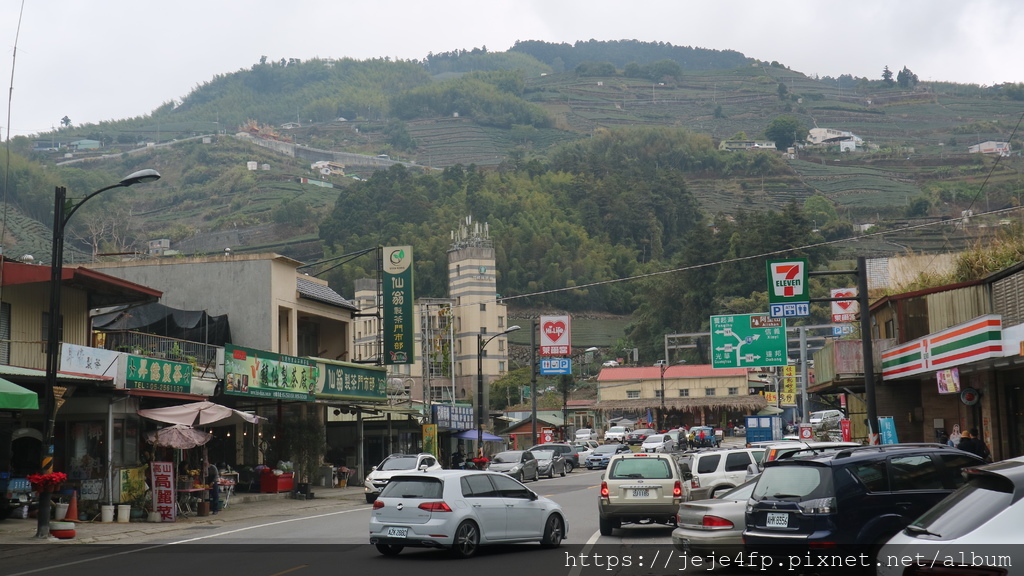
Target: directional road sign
x=748, y=341
x=550, y=366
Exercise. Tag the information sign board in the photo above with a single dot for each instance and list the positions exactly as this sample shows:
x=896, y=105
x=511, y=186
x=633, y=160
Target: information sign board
x=748, y=341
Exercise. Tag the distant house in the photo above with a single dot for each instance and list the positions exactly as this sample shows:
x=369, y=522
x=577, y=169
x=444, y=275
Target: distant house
x=990, y=147
x=327, y=168
x=84, y=145
x=289, y=125
x=740, y=145
x=847, y=141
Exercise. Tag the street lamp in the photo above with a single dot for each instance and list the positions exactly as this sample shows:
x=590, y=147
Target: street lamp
x=588, y=358
x=63, y=210
x=664, y=366
x=480, y=345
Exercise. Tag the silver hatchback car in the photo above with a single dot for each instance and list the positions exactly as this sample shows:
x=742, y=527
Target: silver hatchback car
x=461, y=510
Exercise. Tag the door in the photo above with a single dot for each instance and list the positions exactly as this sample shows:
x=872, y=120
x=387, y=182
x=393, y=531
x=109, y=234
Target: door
x=486, y=503
x=524, y=515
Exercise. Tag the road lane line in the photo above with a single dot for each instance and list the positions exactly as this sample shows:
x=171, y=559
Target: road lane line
x=299, y=567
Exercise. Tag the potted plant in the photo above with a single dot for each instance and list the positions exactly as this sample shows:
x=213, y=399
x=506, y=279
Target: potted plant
x=136, y=494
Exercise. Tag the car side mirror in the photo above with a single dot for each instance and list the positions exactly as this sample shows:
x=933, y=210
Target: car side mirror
x=372, y=468
x=423, y=467
x=532, y=495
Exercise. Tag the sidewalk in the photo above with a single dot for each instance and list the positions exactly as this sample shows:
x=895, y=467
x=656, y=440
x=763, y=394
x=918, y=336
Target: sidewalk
x=242, y=506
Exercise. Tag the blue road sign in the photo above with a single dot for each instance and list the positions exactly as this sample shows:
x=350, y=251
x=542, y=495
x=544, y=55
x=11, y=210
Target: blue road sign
x=790, y=310
x=553, y=366
x=842, y=329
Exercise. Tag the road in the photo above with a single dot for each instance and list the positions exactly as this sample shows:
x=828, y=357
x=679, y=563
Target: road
x=333, y=541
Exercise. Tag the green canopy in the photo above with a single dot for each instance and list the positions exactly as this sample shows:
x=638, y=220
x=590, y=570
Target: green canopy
x=14, y=397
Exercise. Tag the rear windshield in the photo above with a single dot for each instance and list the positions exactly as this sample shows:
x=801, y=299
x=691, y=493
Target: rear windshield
x=507, y=457
x=543, y=454
x=796, y=483
x=413, y=488
x=653, y=468
x=966, y=509
x=399, y=463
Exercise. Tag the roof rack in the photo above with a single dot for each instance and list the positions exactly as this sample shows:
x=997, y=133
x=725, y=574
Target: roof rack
x=846, y=452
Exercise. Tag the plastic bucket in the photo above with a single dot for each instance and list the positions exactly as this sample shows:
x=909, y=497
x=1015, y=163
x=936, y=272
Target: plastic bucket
x=124, y=512
x=60, y=510
x=107, y=513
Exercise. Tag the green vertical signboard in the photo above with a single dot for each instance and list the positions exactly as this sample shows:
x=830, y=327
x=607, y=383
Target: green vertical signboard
x=399, y=322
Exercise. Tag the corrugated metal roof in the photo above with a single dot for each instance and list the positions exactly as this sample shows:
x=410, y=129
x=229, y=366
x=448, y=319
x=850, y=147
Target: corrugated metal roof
x=321, y=293
x=672, y=372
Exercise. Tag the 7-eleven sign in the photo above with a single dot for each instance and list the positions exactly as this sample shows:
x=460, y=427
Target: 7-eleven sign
x=787, y=281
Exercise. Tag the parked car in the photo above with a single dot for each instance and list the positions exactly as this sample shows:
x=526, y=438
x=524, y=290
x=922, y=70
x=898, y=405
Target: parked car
x=519, y=464
x=617, y=434
x=982, y=517
x=710, y=438
x=380, y=474
x=584, y=448
x=706, y=527
x=639, y=488
x=586, y=434
x=568, y=451
x=825, y=419
x=549, y=462
x=658, y=443
x=848, y=502
x=462, y=510
x=601, y=455
x=710, y=473
x=639, y=435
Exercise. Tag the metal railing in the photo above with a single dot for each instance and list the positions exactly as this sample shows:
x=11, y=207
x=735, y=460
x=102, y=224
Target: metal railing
x=202, y=356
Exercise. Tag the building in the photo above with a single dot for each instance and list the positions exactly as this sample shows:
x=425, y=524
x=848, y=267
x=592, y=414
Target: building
x=692, y=395
x=990, y=147
x=741, y=145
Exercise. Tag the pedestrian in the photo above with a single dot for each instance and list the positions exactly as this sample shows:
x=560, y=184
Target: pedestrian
x=458, y=458
x=971, y=442
x=213, y=479
x=702, y=439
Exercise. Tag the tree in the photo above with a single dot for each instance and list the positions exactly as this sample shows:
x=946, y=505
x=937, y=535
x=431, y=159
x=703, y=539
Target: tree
x=785, y=131
x=887, y=76
x=782, y=91
x=906, y=78
x=65, y=121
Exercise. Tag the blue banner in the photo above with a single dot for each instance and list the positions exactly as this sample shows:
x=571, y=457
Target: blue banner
x=887, y=430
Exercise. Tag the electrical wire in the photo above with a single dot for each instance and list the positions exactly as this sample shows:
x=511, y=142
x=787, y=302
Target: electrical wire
x=7, y=148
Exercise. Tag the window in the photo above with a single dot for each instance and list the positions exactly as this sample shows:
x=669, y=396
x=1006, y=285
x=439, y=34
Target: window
x=709, y=464
x=657, y=393
x=950, y=471
x=737, y=462
x=483, y=330
x=5, y=333
x=501, y=322
x=477, y=486
x=483, y=307
x=872, y=475
x=509, y=488
x=501, y=366
x=684, y=392
x=501, y=345
x=709, y=391
x=914, y=473
x=632, y=393
x=734, y=391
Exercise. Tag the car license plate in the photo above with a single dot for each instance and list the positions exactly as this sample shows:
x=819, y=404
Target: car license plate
x=778, y=520
x=394, y=532
x=641, y=493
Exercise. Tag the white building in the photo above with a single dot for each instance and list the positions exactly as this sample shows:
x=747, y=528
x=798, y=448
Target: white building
x=847, y=141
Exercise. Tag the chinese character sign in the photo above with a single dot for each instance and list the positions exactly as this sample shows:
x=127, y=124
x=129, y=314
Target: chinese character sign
x=163, y=483
x=263, y=374
x=554, y=336
x=844, y=310
x=399, y=323
x=144, y=373
x=352, y=382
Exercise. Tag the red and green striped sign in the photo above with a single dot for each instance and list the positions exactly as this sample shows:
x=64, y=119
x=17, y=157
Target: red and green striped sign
x=971, y=341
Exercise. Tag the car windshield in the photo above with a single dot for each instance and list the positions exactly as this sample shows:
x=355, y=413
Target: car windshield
x=506, y=457
x=412, y=488
x=652, y=468
x=617, y=429
x=795, y=483
x=399, y=463
x=606, y=449
x=543, y=454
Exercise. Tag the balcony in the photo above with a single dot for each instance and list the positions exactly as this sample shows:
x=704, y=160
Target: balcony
x=203, y=357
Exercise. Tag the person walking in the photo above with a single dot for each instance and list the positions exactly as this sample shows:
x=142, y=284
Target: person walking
x=971, y=442
x=213, y=480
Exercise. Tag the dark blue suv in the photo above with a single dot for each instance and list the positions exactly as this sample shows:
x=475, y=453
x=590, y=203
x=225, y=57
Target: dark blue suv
x=848, y=502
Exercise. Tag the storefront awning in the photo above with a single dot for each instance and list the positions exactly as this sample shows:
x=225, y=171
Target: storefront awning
x=14, y=397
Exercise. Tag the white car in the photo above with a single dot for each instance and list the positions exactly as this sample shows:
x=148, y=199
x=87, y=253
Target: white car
x=658, y=443
x=381, y=474
x=586, y=434
x=584, y=448
x=617, y=434
x=461, y=510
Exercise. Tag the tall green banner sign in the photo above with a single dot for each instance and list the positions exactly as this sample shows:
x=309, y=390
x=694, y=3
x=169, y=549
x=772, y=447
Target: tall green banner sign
x=263, y=374
x=399, y=322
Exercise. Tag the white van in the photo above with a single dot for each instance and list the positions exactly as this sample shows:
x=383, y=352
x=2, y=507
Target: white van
x=822, y=418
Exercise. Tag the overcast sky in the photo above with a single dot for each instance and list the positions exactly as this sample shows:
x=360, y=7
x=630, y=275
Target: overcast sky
x=109, y=59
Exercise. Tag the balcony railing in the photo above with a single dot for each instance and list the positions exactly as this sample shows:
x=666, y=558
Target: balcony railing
x=203, y=357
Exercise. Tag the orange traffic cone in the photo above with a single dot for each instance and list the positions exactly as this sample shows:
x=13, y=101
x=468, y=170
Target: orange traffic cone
x=72, y=514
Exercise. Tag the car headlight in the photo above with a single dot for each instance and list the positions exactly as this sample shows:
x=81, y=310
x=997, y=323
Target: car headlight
x=516, y=468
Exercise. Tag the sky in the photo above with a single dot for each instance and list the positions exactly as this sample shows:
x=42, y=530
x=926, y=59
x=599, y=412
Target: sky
x=95, y=60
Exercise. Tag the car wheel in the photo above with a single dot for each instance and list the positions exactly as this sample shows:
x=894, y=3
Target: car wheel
x=389, y=549
x=554, y=531
x=551, y=471
x=536, y=475
x=563, y=472
x=467, y=540
x=568, y=467
x=519, y=476
x=370, y=498
x=606, y=526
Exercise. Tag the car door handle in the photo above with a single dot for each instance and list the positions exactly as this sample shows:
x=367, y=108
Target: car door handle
x=510, y=505
x=476, y=505
x=904, y=505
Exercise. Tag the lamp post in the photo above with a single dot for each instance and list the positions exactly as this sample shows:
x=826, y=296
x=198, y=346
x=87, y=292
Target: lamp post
x=63, y=210
x=588, y=358
x=664, y=367
x=480, y=345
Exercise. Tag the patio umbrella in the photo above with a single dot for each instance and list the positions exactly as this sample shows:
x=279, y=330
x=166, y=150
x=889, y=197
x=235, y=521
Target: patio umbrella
x=200, y=414
x=770, y=411
x=178, y=436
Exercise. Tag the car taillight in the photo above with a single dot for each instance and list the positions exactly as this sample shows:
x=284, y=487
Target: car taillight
x=771, y=455
x=818, y=506
x=677, y=489
x=435, y=507
x=716, y=522
x=604, y=490
x=927, y=570
x=695, y=482
x=377, y=504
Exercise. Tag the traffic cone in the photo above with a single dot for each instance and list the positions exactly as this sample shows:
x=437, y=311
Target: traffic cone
x=72, y=513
